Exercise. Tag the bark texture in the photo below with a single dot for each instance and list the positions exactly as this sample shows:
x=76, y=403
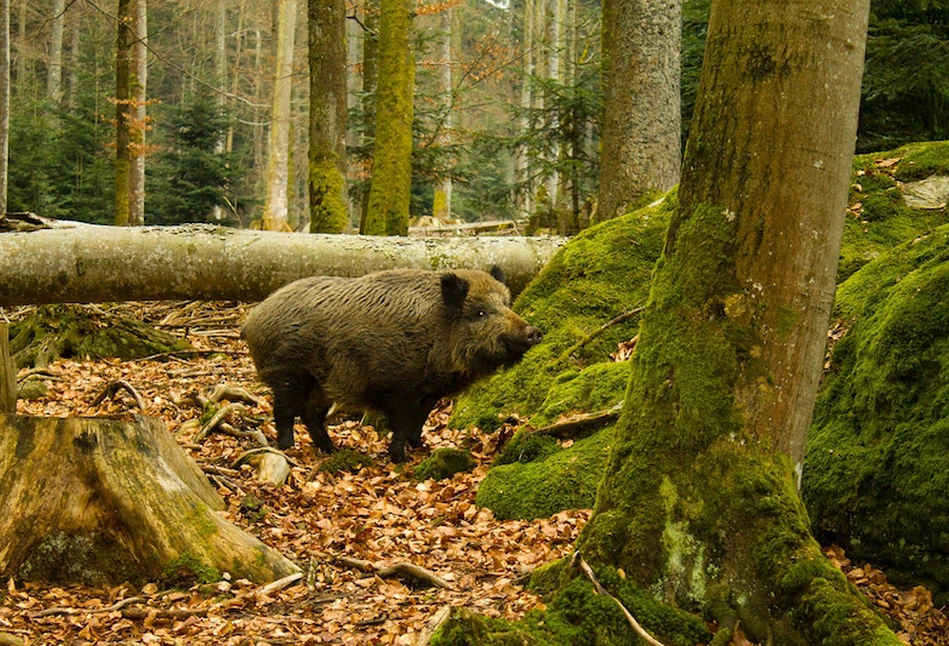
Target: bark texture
x=90, y=263
x=391, y=187
x=642, y=117
x=327, y=154
x=731, y=345
x=4, y=101
x=7, y=372
x=123, y=58
x=277, y=204
x=138, y=112
x=101, y=501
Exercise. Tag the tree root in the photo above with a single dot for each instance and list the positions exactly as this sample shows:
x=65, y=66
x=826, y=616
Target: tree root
x=399, y=570
x=114, y=387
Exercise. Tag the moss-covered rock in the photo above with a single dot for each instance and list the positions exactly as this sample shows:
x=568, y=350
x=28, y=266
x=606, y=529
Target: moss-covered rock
x=877, y=467
x=444, y=463
x=603, y=272
x=548, y=481
x=879, y=217
x=345, y=460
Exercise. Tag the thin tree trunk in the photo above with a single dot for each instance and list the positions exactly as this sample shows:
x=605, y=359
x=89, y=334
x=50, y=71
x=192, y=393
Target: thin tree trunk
x=123, y=41
x=370, y=76
x=54, y=69
x=327, y=153
x=391, y=186
x=220, y=79
x=640, y=149
x=731, y=345
x=442, y=205
x=4, y=101
x=7, y=369
x=72, y=77
x=522, y=165
x=88, y=263
x=138, y=111
x=278, y=173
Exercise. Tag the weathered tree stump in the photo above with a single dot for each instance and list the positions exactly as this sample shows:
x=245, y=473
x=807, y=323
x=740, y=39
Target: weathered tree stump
x=101, y=501
x=7, y=373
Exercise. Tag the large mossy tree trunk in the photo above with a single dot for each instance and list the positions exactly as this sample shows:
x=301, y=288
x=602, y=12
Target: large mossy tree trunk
x=101, y=501
x=327, y=154
x=391, y=186
x=699, y=502
x=7, y=373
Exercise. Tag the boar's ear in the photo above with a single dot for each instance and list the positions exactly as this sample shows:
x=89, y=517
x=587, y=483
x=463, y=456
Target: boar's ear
x=498, y=274
x=454, y=292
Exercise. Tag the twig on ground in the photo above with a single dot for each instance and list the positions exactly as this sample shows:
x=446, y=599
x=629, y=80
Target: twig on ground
x=398, y=570
x=603, y=328
x=578, y=425
x=113, y=387
x=588, y=571
x=233, y=394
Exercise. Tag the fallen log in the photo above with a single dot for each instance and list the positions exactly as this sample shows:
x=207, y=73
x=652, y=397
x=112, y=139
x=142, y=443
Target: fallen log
x=101, y=501
x=90, y=263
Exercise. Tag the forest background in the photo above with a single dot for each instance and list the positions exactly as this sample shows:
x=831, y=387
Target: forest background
x=490, y=92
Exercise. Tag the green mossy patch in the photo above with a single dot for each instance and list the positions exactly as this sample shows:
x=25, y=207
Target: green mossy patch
x=188, y=570
x=53, y=332
x=577, y=616
x=444, y=463
x=877, y=467
x=552, y=480
x=883, y=219
x=603, y=272
x=345, y=460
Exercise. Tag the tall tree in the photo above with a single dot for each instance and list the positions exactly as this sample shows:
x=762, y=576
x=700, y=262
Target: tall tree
x=521, y=164
x=4, y=100
x=138, y=126
x=54, y=68
x=699, y=502
x=641, y=122
x=276, y=207
x=442, y=205
x=391, y=187
x=370, y=76
x=327, y=153
x=123, y=41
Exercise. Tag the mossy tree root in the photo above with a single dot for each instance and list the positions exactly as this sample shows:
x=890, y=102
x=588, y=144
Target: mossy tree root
x=101, y=501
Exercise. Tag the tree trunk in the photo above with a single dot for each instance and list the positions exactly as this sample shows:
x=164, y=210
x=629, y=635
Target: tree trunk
x=391, y=187
x=72, y=84
x=370, y=76
x=522, y=170
x=90, y=263
x=699, y=502
x=277, y=204
x=137, y=111
x=442, y=203
x=327, y=154
x=54, y=68
x=4, y=101
x=7, y=372
x=123, y=41
x=101, y=501
x=640, y=149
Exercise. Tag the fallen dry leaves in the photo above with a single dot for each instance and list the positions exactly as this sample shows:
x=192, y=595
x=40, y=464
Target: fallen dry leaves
x=379, y=514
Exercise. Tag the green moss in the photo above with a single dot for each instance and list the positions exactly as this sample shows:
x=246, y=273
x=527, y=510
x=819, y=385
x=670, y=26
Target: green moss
x=597, y=388
x=566, y=479
x=527, y=447
x=188, y=569
x=923, y=160
x=877, y=466
x=444, y=463
x=345, y=460
x=327, y=204
x=604, y=271
x=253, y=508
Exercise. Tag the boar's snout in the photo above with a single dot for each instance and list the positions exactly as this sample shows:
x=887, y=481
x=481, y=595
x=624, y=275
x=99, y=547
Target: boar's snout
x=534, y=335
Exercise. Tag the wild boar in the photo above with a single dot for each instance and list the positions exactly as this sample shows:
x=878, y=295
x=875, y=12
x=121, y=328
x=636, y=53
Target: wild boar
x=394, y=342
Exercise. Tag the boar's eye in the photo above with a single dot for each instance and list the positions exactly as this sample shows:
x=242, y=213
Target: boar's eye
x=482, y=314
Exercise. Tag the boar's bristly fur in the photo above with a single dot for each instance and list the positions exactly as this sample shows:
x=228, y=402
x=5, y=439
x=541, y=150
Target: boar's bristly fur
x=392, y=341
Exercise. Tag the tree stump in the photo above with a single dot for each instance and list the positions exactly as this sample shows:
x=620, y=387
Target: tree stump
x=7, y=373
x=101, y=501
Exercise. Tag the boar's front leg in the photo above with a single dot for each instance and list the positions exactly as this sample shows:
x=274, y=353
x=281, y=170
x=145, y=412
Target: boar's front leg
x=422, y=412
x=406, y=418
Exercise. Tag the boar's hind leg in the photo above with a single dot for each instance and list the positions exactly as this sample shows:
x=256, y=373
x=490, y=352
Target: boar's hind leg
x=315, y=420
x=289, y=401
x=406, y=419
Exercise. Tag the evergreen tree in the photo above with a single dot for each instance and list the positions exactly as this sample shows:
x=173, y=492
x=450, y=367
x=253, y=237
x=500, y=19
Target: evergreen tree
x=189, y=178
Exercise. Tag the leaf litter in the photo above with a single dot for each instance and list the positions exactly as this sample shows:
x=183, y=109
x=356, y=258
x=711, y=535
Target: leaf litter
x=379, y=515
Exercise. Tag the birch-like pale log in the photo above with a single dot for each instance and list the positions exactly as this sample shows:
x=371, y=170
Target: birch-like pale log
x=89, y=264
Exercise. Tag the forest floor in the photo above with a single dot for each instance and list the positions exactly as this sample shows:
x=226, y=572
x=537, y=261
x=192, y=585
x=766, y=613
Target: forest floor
x=329, y=524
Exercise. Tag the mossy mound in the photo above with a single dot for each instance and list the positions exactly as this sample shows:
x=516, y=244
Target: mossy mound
x=576, y=615
x=603, y=272
x=54, y=332
x=444, y=463
x=877, y=467
x=879, y=217
x=345, y=460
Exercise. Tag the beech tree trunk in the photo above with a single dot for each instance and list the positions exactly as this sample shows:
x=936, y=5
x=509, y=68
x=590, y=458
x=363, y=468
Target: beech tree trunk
x=4, y=101
x=7, y=372
x=277, y=204
x=90, y=263
x=327, y=153
x=54, y=69
x=699, y=503
x=640, y=149
x=391, y=186
x=101, y=501
x=123, y=41
x=137, y=113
